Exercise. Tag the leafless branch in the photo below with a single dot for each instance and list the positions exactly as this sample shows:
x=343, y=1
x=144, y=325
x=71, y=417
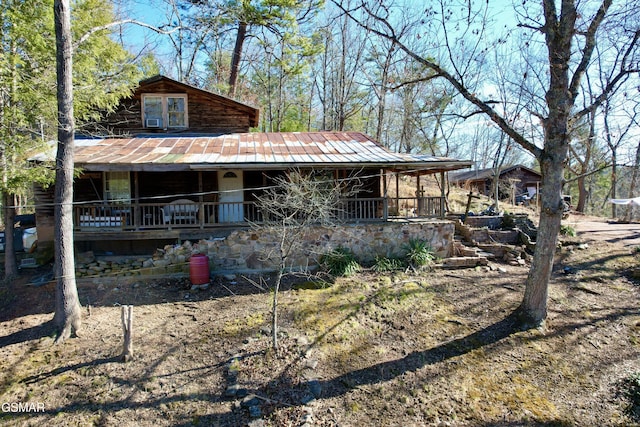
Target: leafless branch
x=94, y=30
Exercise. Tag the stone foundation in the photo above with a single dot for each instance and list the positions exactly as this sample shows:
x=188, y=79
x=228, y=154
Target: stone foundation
x=246, y=251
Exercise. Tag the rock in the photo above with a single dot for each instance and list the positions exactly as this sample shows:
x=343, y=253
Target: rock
x=315, y=388
x=232, y=390
x=250, y=400
x=255, y=411
x=307, y=398
x=311, y=363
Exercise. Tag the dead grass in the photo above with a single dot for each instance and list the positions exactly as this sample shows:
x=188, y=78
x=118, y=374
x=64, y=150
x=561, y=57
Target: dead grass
x=437, y=348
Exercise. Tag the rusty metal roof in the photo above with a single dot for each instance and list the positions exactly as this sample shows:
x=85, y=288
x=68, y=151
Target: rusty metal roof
x=248, y=151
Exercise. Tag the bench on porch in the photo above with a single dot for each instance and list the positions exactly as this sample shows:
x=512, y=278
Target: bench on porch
x=183, y=211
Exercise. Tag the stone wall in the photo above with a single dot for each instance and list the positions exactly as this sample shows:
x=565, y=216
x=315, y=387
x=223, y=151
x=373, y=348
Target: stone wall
x=248, y=250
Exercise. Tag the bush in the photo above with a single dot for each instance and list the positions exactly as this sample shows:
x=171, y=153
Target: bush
x=630, y=390
x=340, y=262
x=567, y=230
x=419, y=253
x=384, y=264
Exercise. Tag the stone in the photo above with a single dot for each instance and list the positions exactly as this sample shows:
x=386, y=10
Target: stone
x=315, y=387
x=255, y=411
x=250, y=400
x=232, y=390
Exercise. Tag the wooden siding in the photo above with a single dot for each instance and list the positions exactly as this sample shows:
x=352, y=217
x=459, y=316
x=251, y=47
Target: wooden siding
x=206, y=112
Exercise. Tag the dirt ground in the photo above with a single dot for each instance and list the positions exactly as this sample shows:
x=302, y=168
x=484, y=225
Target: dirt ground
x=600, y=229
x=396, y=349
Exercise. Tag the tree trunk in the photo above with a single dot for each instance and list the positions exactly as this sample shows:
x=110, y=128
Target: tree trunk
x=582, y=194
x=533, y=309
x=628, y=213
x=236, y=56
x=10, y=261
x=558, y=32
x=67, y=316
x=614, y=183
x=127, y=329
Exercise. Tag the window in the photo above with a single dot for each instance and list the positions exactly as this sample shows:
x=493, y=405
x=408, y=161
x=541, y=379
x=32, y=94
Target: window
x=164, y=111
x=117, y=187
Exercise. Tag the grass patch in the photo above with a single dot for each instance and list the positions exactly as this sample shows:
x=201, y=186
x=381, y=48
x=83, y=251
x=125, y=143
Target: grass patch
x=243, y=326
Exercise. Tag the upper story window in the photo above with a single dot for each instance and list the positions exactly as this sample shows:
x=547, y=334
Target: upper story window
x=164, y=111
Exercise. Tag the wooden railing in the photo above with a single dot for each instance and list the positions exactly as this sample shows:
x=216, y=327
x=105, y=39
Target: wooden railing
x=188, y=214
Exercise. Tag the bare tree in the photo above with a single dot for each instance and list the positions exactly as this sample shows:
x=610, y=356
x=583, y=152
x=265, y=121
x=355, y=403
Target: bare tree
x=568, y=33
x=294, y=204
x=67, y=316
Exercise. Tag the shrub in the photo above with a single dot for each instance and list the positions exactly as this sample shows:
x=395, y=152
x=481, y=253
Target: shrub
x=508, y=221
x=567, y=230
x=384, y=264
x=630, y=390
x=340, y=262
x=419, y=253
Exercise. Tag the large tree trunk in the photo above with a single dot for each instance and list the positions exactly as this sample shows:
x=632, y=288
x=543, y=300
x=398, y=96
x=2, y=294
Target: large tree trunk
x=560, y=101
x=628, y=213
x=67, y=316
x=236, y=56
x=533, y=309
x=9, y=214
x=583, y=194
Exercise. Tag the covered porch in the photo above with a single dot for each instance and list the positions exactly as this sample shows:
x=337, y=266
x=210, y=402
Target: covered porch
x=145, y=201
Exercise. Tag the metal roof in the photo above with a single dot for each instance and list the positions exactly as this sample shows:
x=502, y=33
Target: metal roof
x=488, y=173
x=248, y=151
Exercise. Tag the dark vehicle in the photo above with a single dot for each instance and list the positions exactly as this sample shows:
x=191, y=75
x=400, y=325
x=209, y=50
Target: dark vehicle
x=524, y=199
x=24, y=224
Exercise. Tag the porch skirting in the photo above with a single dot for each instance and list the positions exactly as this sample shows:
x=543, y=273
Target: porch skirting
x=245, y=251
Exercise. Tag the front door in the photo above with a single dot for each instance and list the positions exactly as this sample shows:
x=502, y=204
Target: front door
x=231, y=196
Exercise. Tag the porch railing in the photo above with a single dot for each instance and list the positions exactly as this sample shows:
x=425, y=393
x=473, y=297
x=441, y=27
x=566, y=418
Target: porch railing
x=193, y=215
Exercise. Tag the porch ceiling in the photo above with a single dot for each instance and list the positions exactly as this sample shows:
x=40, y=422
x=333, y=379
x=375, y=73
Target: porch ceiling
x=249, y=151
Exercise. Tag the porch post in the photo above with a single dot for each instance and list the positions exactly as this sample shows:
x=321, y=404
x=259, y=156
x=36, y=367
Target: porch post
x=443, y=194
x=398, y=193
x=136, y=202
x=419, y=206
x=385, y=203
x=200, y=198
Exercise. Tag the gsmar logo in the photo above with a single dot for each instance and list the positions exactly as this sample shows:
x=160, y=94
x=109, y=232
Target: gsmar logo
x=20, y=407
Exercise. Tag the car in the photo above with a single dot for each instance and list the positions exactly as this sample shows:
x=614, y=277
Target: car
x=523, y=199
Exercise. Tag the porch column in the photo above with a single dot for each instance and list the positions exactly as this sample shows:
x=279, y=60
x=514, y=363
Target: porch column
x=398, y=193
x=443, y=194
x=200, y=200
x=385, y=203
x=136, y=202
x=419, y=206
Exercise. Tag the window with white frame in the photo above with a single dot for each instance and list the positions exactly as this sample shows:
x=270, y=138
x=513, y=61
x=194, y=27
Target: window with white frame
x=164, y=111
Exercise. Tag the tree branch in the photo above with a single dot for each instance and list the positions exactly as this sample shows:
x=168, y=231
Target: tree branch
x=482, y=105
x=94, y=30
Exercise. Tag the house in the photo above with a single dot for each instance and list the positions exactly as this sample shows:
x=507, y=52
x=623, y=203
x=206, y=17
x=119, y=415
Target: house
x=514, y=181
x=182, y=163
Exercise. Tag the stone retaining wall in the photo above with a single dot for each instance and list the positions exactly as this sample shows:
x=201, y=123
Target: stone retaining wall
x=247, y=250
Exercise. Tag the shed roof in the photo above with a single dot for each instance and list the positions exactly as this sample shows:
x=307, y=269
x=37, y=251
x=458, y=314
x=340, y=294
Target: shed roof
x=247, y=151
x=488, y=173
